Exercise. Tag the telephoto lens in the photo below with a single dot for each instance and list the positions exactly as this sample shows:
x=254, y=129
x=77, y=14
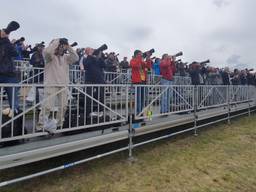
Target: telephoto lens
x=74, y=44
x=12, y=26
x=150, y=52
x=205, y=62
x=179, y=54
x=100, y=49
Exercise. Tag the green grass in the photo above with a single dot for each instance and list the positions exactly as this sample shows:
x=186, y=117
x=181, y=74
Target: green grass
x=221, y=158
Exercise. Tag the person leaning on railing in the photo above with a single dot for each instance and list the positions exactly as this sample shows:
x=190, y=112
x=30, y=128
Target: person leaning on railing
x=167, y=70
x=139, y=78
x=7, y=67
x=58, y=56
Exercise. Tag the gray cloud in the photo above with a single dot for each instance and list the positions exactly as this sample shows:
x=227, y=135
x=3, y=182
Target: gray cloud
x=235, y=62
x=220, y=3
x=140, y=34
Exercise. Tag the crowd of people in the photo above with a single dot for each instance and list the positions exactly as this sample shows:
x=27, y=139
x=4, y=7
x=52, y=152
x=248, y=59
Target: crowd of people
x=60, y=54
x=199, y=72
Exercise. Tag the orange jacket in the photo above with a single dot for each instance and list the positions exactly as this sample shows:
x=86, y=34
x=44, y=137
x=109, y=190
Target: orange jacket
x=139, y=71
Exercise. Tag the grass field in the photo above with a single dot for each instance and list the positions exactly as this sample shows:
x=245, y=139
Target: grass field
x=221, y=158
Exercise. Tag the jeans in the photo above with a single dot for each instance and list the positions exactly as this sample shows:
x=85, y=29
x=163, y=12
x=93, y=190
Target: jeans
x=13, y=99
x=166, y=96
x=140, y=99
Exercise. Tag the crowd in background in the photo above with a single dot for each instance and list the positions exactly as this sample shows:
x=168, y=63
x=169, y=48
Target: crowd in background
x=199, y=72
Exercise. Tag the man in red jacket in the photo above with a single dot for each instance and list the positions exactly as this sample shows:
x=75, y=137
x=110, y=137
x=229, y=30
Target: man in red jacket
x=139, y=78
x=167, y=70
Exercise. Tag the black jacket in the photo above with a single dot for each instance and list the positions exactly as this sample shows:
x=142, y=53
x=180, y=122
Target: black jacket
x=250, y=79
x=236, y=80
x=37, y=60
x=243, y=80
x=7, y=53
x=124, y=65
x=225, y=78
x=94, y=70
x=195, y=77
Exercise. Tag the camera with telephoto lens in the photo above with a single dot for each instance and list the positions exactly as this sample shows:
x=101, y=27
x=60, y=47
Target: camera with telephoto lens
x=74, y=44
x=178, y=54
x=19, y=40
x=148, y=53
x=204, y=62
x=12, y=26
x=100, y=49
x=37, y=47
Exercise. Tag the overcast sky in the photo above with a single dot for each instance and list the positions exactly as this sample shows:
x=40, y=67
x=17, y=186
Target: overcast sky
x=220, y=30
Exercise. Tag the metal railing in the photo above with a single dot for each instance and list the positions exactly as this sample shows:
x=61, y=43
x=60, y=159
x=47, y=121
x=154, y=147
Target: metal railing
x=76, y=107
x=117, y=78
x=88, y=106
x=159, y=100
x=211, y=96
x=29, y=75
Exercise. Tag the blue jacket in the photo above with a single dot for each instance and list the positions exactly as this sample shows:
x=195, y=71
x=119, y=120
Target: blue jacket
x=156, y=68
x=19, y=52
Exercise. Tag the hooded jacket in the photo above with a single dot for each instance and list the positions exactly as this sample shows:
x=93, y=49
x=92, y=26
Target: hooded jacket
x=56, y=70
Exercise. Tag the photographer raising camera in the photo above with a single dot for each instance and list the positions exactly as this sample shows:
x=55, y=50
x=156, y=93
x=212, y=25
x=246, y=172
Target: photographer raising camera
x=7, y=67
x=58, y=56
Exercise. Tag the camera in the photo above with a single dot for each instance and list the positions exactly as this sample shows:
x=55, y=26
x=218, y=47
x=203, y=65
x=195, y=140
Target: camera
x=19, y=40
x=12, y=26
x=205, y=62
x=100, y=49
x=74, y=44
x=178, y=54
x=37, y=47
x=148, y=53
x=63, y=41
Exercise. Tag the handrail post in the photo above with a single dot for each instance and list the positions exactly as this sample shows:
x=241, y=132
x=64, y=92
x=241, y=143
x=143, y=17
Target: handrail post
x=248, y=99
x=130, y=131
x=195, y=98
x=228, y=98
